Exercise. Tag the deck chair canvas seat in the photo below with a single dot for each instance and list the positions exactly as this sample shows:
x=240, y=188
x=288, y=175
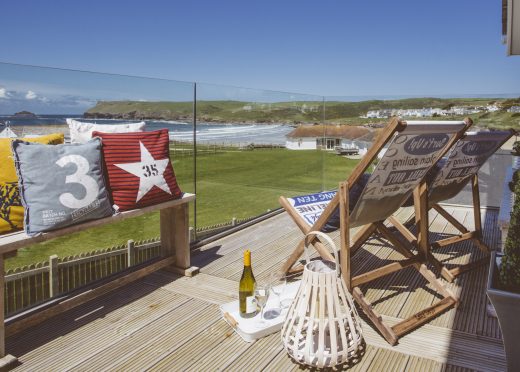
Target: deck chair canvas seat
x=445, y=181
x=413, y=148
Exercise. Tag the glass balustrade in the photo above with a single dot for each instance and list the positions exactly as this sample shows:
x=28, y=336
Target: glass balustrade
x=237, y=149
x=250, y=152
x=38, y=100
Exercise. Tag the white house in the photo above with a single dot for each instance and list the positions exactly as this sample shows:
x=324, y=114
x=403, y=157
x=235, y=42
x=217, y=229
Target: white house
x=492, y=108
x=463, y=110
x=372, y=114
x=7, y=133
x=327, y=137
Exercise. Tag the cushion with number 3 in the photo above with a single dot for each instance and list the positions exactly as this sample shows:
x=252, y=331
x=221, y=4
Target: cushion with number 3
x=60, y=185
x=11, y=210
x=140, y=172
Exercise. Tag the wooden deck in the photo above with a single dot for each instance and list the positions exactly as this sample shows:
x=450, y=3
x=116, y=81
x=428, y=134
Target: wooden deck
x=167, y=322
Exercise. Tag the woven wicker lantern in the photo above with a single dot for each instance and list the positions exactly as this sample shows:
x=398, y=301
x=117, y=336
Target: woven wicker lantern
x=322, y=327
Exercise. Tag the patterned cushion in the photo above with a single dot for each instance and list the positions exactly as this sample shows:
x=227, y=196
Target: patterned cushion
x=139, y=169
x=81, y=132
x=60, y=185
x=11, y=210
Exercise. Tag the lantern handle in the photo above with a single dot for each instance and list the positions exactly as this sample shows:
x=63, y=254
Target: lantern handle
x=307, y=240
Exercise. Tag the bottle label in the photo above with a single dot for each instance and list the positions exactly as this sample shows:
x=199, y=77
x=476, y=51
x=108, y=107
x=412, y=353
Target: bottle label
x=250, y=304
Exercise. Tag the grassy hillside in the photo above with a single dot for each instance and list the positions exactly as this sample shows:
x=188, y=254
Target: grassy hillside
x=298, y=111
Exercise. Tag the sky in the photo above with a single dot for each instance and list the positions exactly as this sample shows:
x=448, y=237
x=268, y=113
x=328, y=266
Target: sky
x=323, y=48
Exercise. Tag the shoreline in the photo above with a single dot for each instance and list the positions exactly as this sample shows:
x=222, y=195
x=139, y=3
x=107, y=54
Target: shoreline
x=207, y=133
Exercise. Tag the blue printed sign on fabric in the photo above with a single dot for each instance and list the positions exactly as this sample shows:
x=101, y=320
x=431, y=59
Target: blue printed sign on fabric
x=310, y=207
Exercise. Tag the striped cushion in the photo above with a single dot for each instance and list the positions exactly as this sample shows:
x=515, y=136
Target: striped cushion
x=139, y=169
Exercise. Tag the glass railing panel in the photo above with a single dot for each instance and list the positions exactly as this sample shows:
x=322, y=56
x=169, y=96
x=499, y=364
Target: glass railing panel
x=249, y=151
x=36, y=101
x=487, y=112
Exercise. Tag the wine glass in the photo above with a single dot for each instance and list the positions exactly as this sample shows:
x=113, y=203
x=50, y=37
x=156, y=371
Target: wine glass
x=278, y=282
x=276, y=286
x=261, y=296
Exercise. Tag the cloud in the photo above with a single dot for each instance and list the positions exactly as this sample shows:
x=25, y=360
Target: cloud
x=31, y=95
x=4, y=93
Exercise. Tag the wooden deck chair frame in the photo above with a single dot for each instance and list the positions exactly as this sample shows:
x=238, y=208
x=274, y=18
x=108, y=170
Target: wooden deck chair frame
x=341, y=199
x=422, y=242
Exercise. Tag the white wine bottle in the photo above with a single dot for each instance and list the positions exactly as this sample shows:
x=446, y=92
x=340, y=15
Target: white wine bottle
x=246, y=294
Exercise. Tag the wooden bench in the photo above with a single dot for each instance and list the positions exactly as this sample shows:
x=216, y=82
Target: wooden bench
x=175, y=247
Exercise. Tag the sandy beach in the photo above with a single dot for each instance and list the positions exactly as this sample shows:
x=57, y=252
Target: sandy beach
x=33, y=130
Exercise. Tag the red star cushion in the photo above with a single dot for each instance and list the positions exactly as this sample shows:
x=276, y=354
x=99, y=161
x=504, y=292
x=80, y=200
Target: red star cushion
x=139, y=169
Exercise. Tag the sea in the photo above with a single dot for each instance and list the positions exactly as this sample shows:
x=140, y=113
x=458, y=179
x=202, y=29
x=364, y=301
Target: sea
x=215, y=133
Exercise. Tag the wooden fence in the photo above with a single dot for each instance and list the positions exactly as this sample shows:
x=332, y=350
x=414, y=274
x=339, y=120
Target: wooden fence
x=205, y=231
x=31, y=285
x=34, y=284
x=185, y=149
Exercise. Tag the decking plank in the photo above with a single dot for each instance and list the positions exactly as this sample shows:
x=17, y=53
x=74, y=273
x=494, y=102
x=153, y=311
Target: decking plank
x=126, y=347
x=89, y=342
x=271, y=230
x=488, y=326
x=444, y=346
x=469, y=287
x=68, y=327
x=194, y=349
x=389, y=295
x=208, y=288
x=231, y=263
x=422, y=364
x=397, y=290
x=169, y=339
x=387, y=360
x=259, y=356
x=225, y=351
x=260, y=258
x=168, y=322
x=424, y=295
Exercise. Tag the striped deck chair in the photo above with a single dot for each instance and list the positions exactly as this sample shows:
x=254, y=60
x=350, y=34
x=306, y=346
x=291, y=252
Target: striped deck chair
x=366, y=201
x=445, y=181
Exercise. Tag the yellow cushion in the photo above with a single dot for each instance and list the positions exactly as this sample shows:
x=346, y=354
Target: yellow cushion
x=11, y=210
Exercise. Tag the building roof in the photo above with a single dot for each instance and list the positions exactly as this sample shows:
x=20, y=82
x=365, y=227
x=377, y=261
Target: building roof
x=337, y=131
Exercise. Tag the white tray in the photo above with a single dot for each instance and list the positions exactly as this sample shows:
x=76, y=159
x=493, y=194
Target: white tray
x=248, y=328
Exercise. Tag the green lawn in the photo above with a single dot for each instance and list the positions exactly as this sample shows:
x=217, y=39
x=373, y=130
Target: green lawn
x=230, y=183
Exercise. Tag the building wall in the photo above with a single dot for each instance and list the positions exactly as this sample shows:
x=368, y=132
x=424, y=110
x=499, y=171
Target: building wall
x=513, y=29
x=308, y=143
